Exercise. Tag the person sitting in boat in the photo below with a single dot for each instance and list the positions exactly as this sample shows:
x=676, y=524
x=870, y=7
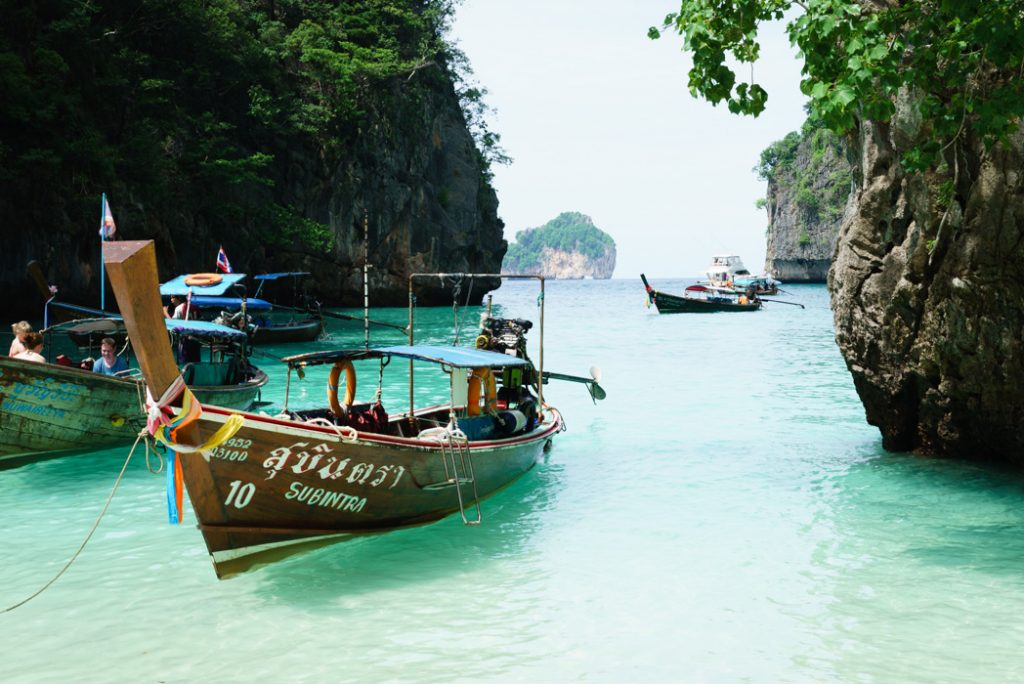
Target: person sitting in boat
x=20, y=329
x=33, y=343
x=109, y=362
x=176, y=309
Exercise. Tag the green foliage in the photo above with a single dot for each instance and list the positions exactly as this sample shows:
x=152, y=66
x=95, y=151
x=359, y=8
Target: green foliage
x=805, y=238
x=197, y=107
x=962, y=58
x=783, y=165
x=570, y=231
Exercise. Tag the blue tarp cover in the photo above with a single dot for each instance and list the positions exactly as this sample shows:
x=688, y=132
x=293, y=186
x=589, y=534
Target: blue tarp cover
x=115, y=324
x=457, y=357
x=177, y=286
x=230, y=303
x=275, y=276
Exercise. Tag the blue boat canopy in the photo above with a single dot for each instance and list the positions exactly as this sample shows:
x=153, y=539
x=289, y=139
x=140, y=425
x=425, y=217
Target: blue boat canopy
x=115, y=324
x=230, y=303
x=177, y=286
x=204, y=329
x=277, y=276
x=455, y=357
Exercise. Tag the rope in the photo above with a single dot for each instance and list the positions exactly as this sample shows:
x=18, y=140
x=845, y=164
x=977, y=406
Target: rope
x=164, y=425
x=141, y=435
x=345, y=432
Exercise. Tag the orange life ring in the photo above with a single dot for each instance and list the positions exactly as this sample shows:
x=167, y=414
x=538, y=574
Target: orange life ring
x=203, y=279
x=341, y=410
x=482, y=379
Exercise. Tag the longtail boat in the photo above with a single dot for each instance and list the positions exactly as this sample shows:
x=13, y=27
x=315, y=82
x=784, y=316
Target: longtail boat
x=701, y=299
x=50, y=409
x=265, y=322
x=263, y=488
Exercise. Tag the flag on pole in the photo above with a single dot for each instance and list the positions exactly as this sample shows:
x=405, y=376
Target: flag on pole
x=222, y=261
x=107, y=226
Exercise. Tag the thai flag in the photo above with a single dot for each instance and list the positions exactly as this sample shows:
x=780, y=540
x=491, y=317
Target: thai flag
x=107, y=227
x=222, y=261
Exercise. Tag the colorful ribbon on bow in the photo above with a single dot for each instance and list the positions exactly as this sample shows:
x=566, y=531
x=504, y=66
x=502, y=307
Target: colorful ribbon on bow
x=164, y=425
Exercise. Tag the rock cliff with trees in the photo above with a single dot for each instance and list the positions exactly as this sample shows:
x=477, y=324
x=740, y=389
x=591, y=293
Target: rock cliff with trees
x=810, y=190
x=271, y=128
x=931, y=255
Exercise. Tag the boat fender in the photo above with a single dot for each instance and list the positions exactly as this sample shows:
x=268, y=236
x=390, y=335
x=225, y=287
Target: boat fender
x=202, y=279
x=511, y=422
x=482, y=379
x=341, y=409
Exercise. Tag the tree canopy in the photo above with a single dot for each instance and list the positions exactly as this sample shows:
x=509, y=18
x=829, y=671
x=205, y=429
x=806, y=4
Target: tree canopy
x=964, y=59
x=196, y=107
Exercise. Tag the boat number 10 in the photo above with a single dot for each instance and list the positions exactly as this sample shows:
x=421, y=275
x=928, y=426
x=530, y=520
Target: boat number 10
x=240, y=494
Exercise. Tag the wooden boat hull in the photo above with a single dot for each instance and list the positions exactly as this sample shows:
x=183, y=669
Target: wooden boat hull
x=287, y=333
x=47, y=410
x=50, y=408
x=669, y=304
x=277, y=487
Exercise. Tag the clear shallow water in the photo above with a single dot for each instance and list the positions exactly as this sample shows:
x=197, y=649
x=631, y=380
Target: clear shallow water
x=726, y=514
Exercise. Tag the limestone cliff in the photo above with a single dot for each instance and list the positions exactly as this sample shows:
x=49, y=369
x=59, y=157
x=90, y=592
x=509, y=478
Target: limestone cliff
x=271, y=130
x=924, y=293
x=567, y=247
x=809, y=191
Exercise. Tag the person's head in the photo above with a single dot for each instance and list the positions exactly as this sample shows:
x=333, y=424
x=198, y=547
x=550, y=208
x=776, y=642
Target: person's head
x=32, y=341
x=175, y=300
x=20, y=329
x=108, y=347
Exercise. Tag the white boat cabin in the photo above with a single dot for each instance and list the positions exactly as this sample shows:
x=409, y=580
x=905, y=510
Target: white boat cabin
x=724, y=268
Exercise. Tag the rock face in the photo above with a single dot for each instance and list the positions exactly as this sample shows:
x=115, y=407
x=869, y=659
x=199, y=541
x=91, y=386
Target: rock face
x=576, y=266
x=809, y=193
x=925, y=294
x=415, y=174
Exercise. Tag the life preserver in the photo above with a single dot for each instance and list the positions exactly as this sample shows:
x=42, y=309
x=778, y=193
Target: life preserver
x=482, y=379
x=350, y=387
x=202, y=279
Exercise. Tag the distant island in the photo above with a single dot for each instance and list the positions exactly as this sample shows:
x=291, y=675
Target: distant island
x=567, y=247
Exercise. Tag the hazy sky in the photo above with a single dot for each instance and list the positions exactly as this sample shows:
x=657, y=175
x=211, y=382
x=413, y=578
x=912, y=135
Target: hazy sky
x=598, y=119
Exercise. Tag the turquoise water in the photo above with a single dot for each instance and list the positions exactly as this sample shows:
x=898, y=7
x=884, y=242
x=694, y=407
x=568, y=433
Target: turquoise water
x=725, y=515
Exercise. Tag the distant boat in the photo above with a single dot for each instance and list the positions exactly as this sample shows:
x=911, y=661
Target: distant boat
x=47, y=409
x=727, y=270
x=701, y=299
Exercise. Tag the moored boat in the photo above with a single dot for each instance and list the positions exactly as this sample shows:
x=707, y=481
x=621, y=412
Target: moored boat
x=49, y=409
x=211, y=299
x=728, y=271
x=266, y=487
x=701, y=299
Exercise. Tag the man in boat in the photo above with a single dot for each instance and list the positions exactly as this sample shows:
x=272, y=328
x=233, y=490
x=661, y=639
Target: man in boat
x=109, y=362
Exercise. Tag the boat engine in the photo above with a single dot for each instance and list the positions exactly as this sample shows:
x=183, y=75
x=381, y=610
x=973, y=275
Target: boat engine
x=504, y=335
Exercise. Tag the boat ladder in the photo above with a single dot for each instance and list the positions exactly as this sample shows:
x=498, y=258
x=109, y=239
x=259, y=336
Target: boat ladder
x=456, y=455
